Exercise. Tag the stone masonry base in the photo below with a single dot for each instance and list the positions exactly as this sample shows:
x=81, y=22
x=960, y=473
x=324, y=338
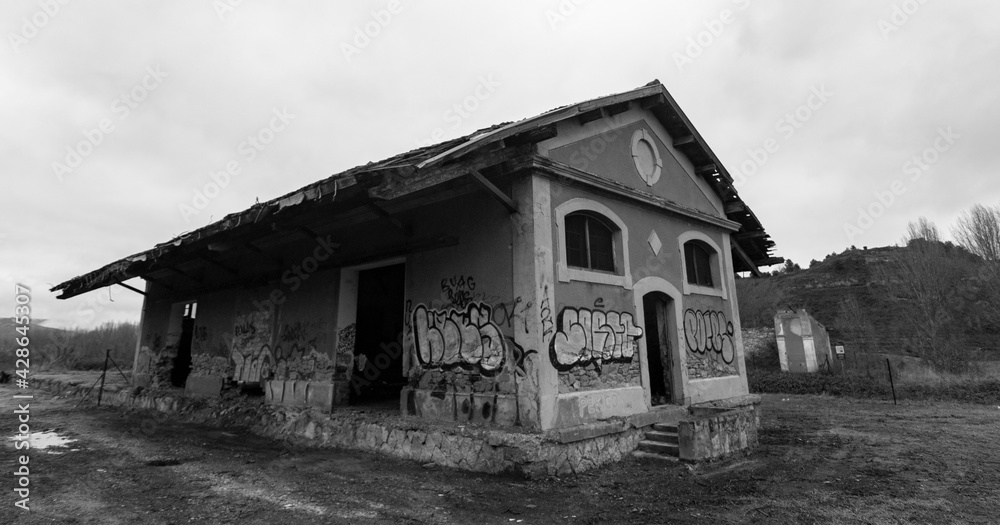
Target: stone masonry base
x=711, y=433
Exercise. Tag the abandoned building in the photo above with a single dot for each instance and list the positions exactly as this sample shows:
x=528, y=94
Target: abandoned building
x=803, y=342
x=571, y=275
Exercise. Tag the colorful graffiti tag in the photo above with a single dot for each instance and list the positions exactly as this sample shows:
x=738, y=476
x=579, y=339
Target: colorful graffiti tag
x=453, y=337
x=710, y=332
x=586, y=336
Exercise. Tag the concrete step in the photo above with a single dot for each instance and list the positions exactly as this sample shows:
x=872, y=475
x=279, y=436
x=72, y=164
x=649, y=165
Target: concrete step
x=654, y=457
x=662, y=427
x=657, y=447
x=663, y=437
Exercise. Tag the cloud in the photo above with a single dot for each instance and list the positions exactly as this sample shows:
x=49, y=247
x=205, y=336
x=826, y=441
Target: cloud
x=226, y=76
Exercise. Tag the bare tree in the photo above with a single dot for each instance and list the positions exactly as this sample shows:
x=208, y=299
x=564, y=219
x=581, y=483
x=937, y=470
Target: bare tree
x=759, y=300
x=923, y=280
x=921, y=229
x=855, y=324
x=978, y=230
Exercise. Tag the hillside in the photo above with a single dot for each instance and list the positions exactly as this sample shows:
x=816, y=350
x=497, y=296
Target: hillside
x=847, y=292
x=80, y=349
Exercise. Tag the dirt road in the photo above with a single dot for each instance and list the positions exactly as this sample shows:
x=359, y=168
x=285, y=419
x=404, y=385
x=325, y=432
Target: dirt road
x=822, y=460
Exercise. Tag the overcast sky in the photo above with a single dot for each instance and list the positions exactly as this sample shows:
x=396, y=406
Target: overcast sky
x=116, y=112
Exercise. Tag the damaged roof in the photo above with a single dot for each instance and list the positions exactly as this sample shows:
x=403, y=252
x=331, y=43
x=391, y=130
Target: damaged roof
x=751, y=244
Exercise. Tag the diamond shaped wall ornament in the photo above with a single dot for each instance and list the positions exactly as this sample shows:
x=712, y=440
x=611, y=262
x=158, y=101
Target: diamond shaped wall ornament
x=654, y=242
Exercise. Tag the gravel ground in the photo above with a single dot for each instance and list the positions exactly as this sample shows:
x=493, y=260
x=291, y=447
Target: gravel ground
x=822, y=460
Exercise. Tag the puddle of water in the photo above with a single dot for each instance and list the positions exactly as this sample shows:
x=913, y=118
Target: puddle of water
x=50, y=441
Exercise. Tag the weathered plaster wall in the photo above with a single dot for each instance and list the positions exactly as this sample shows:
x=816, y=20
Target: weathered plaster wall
x=211, y=344
x=713, y=434
x=706, y=339
x=157, y=340
x=463, y=319
x=604, y=147
x=709, y=338
x=304, y=331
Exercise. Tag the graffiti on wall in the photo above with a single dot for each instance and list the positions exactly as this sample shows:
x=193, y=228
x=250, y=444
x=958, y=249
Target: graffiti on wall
x=453, y=336
x=298, y=331
x=545, y=313
x=708, y=331
x=585, y=336
x=251, y=353
x=512, y=314
x=458, y=289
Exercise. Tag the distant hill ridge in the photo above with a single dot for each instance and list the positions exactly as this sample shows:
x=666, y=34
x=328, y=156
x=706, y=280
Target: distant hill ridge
x=825, y=285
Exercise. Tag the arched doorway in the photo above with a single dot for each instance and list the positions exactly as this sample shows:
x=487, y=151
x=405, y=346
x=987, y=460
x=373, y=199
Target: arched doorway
x=658, y=330
x=658, y=307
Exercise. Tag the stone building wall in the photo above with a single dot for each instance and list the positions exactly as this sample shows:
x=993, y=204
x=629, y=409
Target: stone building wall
x=717, y=433
x=595, y=376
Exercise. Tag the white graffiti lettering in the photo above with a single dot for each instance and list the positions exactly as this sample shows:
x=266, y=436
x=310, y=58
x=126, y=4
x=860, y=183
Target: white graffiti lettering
x=456, y=337
x=585, y=336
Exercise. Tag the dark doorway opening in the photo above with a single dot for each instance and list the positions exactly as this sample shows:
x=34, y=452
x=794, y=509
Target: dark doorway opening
x=657, y=310
x=378, y=354
x=182, y=363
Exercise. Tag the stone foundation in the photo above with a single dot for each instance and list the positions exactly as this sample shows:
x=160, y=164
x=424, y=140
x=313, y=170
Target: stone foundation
x=595, y=377
x=719, y=429
x=470, y=447
x=710, y=431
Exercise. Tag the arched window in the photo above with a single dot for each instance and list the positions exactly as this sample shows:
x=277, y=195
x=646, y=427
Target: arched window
x=590, y=242
x=698, y=261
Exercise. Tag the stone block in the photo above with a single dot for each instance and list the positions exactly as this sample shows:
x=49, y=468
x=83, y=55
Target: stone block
x=435, y=405
x=274, y=392
x=287, y=393
x=320, y=395
x=299, y=389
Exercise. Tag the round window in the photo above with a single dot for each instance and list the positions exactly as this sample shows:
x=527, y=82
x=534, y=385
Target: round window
x=646, y=157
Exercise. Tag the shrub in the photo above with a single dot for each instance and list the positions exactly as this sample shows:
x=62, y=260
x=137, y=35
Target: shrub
x=860, y=386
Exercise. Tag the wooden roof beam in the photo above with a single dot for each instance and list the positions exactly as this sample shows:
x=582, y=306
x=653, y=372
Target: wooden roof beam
x=158, y=282
x=184, y=274
x=620, y=107
x=590, y=116
x=742, y=255
x=381, y=212
x=133, y=288
x=533, y=136
x=735, y=207
x=750, y=235
x=653, y=101
x=497, y=192
x=224, y=267
x=684, y=140
x=706, y=169
x=256, y=249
